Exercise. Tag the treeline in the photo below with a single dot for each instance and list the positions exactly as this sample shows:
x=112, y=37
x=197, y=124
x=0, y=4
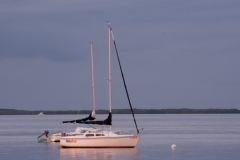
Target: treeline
x=124, y=111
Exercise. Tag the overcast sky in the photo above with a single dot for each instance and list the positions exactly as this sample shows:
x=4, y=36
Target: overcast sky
x=174, y=53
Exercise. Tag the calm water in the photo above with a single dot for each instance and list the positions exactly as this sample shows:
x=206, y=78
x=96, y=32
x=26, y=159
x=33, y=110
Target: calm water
x=196, y=136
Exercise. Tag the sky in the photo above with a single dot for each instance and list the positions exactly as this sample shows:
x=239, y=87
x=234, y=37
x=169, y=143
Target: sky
x=174, y=54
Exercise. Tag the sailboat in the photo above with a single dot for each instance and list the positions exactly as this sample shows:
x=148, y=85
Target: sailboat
x=98, y=138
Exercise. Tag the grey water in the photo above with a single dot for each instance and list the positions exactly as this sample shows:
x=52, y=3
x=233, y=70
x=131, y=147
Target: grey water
x=197, y=136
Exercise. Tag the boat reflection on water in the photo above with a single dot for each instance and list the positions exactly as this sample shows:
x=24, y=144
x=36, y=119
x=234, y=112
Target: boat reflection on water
x=99, y=153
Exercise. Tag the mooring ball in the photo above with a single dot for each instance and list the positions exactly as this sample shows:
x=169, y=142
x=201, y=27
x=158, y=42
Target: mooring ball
x=174, y=146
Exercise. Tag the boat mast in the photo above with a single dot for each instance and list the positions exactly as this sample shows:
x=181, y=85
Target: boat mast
x=93, y=91
x=109, y=72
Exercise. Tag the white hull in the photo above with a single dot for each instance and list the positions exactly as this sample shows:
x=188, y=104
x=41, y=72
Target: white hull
x=123, y=141
x=55, y=137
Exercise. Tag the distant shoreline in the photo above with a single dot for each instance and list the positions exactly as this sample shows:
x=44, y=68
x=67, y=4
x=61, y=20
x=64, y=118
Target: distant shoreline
x=123, y=111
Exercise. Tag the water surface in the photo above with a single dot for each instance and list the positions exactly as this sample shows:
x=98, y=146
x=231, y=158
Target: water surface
x=211, y=136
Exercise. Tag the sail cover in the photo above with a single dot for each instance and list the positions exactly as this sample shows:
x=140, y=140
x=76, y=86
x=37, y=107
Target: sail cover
x=90, y=117
x=107, y=121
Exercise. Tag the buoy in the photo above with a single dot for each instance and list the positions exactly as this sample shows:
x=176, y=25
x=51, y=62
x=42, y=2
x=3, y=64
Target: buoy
x=174, y=146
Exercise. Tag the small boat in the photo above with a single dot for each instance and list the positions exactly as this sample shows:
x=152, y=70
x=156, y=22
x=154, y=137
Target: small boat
x=98, y=138
x=55, y=137
x=41, y=113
